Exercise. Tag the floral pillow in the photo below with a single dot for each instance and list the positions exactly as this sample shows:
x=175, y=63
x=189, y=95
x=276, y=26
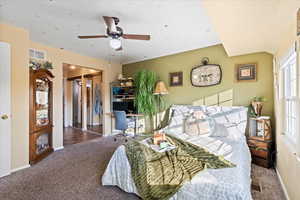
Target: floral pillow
x=197, y=123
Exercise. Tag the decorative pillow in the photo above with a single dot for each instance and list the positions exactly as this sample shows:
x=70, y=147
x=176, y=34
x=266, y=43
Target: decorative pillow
x=219, y=131
x=180, y=112
x=197, y=124
x=230, y=117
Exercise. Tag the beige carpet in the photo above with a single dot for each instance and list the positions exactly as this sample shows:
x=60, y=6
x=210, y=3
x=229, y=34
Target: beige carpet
x=271, y=188
x=74, y=174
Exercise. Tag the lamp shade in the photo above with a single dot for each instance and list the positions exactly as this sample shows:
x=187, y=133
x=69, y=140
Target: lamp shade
x=160, y=88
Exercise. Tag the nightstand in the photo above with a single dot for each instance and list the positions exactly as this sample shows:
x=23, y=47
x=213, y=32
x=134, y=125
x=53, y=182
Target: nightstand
x=260, y=151
x=260, y=140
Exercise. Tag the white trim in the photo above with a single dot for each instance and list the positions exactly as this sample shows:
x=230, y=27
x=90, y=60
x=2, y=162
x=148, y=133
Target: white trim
x=19, y=168
x=5, y=175
x=282, y=185
x=59, y=148
x=287, y=56
x=291, y=145
x=95, y=124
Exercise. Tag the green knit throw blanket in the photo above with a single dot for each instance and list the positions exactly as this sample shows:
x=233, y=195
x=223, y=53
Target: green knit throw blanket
x=158, y=176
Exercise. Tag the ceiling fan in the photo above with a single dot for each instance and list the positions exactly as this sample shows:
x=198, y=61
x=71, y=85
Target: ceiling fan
x=115, y=33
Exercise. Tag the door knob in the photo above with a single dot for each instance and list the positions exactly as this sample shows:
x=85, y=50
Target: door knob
x=4, y=117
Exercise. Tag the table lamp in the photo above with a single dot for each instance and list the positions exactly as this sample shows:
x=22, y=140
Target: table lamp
x=160, y=90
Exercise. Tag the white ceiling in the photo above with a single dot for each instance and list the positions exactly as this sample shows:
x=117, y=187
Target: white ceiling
x=248, y=26
x=174, y=25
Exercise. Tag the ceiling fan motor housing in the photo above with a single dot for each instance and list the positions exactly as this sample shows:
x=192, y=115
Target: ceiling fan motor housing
x=115, y=35
x=116, y=20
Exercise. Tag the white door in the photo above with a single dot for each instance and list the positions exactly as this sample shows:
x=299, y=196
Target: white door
x=5, y=110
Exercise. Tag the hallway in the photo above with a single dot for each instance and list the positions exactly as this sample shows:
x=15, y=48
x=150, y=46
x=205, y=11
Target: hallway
x=75, y=135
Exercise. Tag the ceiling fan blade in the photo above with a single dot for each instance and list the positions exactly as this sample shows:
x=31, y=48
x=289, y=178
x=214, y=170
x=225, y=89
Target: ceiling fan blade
x=91, y=36
x=110, y=23
x=119, y=49
x=136, y=37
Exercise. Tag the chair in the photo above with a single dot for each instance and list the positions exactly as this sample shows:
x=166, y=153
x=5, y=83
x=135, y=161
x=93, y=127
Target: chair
x=121, y=122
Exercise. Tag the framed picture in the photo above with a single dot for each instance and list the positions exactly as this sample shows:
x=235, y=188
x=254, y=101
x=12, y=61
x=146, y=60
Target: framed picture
x=206, y=75
x=176, y=78
x=246, y=72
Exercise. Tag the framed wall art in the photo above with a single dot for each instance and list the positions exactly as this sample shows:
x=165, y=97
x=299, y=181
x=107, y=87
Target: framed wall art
x=206, y=74
x=246, y=72
x=176, y=79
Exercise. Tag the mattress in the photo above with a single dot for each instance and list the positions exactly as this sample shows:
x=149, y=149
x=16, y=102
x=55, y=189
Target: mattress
x=209, y=184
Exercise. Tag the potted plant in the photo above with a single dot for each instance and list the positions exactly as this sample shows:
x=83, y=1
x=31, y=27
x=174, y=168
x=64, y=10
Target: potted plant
x=47, y=65
x=145, y=101
x=257, y=105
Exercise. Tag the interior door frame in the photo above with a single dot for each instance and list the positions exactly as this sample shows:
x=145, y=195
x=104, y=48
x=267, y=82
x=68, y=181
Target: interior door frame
x=76, y=89
x=5, y=109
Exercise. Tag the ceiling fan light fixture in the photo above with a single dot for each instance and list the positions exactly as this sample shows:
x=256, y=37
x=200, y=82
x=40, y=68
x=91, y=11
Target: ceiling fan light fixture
x=115, y=43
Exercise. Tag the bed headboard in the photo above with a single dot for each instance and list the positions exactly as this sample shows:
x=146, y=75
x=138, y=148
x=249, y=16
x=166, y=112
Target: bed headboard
x=224, y=98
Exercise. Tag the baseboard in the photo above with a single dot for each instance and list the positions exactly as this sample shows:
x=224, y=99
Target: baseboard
x=95, y=124
x=59, y=148
x=282, y=185
x=5, y=175
x=19, y=168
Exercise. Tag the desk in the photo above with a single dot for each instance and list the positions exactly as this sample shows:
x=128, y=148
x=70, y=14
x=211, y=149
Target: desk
x=135, y=116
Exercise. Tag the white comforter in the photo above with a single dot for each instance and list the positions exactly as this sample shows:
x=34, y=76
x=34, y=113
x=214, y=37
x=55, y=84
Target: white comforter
x=209, y=184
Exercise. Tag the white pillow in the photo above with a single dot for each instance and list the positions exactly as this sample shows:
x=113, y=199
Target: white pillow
x=177, y=120
x=231, y=116
x=219, y=131
x=196, y=124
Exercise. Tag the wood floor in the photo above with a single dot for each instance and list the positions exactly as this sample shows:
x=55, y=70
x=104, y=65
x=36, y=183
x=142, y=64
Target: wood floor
x=75, y=135
x=95, y=128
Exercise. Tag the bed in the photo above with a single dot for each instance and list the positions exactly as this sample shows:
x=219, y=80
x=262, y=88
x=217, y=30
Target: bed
x=209, y=184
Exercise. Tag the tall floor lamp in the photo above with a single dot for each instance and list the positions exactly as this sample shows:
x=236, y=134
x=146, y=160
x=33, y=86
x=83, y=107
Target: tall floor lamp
x=160, y=90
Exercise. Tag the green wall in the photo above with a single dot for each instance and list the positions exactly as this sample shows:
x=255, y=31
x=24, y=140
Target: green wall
x=243, y=91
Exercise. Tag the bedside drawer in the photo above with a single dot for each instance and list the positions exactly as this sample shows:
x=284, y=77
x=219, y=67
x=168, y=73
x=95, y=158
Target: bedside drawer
x=259, y=153
x=254, y=144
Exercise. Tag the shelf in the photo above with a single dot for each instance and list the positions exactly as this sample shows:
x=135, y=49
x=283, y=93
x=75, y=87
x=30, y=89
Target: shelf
x=123, y=96
x=42, y=108
x=123, y=99
x=124, y=86
x=257, y=138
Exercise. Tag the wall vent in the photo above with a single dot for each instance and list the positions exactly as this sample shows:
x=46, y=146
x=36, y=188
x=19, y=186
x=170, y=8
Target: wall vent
x=37, y=54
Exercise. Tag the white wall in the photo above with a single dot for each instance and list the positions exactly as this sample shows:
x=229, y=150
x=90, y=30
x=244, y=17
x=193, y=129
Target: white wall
x=288, y=164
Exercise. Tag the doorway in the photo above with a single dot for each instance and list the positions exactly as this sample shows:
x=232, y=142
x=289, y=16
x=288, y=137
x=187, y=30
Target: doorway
x=76, y=101
x=83, y=116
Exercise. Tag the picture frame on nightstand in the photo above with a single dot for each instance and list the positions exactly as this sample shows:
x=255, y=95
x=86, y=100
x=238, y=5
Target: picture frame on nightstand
x=260, y=127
